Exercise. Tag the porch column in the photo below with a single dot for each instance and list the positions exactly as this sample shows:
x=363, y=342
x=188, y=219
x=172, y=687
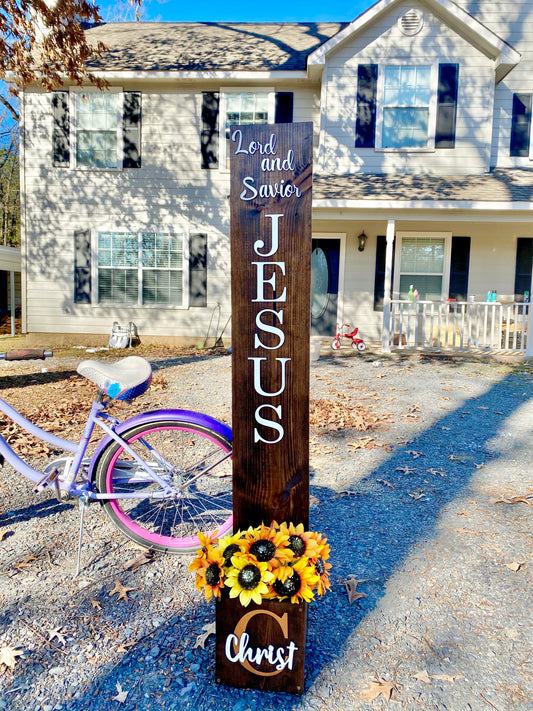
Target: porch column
x=385, y=333
x=12, y=300
x=529, y=350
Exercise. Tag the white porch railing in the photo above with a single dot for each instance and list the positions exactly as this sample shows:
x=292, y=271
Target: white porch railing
x=458, y=326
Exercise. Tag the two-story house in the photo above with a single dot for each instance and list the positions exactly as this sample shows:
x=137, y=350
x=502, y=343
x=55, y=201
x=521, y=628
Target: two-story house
x=423, y=173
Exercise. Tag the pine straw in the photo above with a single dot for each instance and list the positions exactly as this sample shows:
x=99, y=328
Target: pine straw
x=62, y=415
x=342, y=413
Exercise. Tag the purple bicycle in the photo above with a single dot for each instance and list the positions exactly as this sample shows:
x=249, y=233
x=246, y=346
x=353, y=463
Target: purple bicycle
x=161, y=476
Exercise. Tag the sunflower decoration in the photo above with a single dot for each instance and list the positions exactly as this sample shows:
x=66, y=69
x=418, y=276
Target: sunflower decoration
x=209, y=569
x=268, y=545
x=276, y=562
x=248, y=579
x=300, y=541
x=296, y=582
x=229, y=546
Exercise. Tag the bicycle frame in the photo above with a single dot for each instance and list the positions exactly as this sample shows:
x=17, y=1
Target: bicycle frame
x=97, y=416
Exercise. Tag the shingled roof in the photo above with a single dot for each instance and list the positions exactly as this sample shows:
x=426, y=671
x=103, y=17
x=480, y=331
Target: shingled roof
x=498, y=186
x=208, y=46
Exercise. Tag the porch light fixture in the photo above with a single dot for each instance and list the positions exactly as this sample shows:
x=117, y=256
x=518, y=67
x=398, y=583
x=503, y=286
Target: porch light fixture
x=362, y=238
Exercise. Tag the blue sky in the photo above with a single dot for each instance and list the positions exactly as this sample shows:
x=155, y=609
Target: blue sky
x=266, y=11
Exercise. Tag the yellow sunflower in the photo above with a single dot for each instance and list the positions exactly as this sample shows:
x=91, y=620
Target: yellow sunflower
x=230, y=545
x=300, y=541
x=267, y=545
x=299, y=584
x=209, y=573
x=248, y=579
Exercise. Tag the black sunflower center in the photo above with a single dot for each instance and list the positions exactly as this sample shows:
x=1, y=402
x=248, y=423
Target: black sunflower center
x=263, y=550
x=228, y=552
x=320, y=566
x=212, y=575
x=290, y=587
x=297, y=545
x=249, y=577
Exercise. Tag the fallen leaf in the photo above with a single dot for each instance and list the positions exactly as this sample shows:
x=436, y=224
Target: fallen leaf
x=379, y=688
x=406, y=470
x=124, y=646
x=8, y=656
x=436, y=472
x=26, y=562
x=351, y=584
x=142, y=559
x=5, y=534
x=120, y=590
x=466, y=530
x=514, y=566
x=57, y=633
x=415, y=455
x=386, y=483
x=416, y=494
x=422, y=676
x=121, y=696
x=95, y=604
x=522, y=499
x=202, y=638
x=446, y=677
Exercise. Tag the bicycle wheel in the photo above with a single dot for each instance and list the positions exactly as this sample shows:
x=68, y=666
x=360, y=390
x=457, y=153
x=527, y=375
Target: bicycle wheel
x=336, y=344
x=193, y=460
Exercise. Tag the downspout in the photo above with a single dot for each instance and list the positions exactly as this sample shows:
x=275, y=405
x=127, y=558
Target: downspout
x=385, y=333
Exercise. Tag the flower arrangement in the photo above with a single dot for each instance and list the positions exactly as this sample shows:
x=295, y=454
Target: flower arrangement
x=276, y=562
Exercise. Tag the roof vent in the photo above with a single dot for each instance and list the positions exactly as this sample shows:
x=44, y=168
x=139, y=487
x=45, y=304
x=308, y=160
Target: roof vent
x=411, y=23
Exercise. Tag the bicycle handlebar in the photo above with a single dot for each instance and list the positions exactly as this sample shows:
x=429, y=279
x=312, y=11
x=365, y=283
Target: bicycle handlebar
x=26, y=354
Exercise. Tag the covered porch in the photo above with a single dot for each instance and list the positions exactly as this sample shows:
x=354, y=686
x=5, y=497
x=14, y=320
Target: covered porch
x=447, y=262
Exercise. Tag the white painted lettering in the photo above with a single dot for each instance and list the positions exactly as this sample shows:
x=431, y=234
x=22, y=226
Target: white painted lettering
x=268, y=423
x=258, y=244
x=261, y=280
x=269, y=329
x=257, y=376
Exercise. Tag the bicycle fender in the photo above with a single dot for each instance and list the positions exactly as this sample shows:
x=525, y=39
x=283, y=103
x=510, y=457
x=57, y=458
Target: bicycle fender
x=196, y=418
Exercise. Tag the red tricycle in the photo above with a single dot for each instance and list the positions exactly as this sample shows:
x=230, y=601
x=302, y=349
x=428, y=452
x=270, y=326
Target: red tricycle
x=357, y=343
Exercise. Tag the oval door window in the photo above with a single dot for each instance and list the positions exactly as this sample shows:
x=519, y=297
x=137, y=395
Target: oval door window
x=319, y=282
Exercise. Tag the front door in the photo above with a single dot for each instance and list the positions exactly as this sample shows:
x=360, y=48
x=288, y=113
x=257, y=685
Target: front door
x=325, y=259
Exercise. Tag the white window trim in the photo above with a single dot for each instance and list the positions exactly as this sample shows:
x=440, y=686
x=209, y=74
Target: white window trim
x=224, y=91
x=166, y=229
x=531, y=133
x=73, y=94
x=447, y=236
x=432, y=117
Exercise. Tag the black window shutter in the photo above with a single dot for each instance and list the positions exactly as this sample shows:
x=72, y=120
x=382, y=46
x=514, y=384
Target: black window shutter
x=82, y=267
x=447, y=105
x=198, y=270
x=459, y=267
x=365, y=126
x=60, y=129
x=521, y=125
x=524, y=267
x=131, y=130
x=284, y=106
x=379, y=280
x=209, y=131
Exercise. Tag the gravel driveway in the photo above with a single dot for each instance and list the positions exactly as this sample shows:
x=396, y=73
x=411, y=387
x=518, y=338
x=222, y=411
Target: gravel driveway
x=415, y=475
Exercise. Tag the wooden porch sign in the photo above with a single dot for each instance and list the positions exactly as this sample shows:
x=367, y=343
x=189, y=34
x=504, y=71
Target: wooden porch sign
x=263, y=646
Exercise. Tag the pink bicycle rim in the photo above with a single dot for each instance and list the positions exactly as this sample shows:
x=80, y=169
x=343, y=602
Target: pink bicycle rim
x=167, y=541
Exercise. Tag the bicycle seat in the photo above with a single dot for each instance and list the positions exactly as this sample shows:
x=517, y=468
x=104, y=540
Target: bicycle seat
x=124, y=380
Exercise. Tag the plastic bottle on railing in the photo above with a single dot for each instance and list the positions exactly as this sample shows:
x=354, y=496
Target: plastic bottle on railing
x=489, y=296
x=411, y=294
x=415, y=294
x=526, y=297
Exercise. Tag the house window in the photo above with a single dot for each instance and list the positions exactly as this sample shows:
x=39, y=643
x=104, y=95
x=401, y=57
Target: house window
x=424, y=266
x=244, y=108
x=407, y=111
x=144, y=269
x=97, y=135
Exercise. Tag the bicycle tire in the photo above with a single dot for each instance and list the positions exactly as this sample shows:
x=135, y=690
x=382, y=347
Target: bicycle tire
x=203, y=502
x=335, y=344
